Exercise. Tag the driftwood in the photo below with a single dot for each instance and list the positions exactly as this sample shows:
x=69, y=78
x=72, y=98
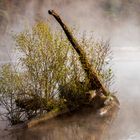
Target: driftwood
x=92, y=75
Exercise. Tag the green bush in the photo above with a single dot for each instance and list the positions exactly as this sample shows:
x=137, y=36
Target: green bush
x=48, y=74
x=10, y=85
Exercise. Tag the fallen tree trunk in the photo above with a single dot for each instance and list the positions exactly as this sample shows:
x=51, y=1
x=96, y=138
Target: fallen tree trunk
x=92, y=75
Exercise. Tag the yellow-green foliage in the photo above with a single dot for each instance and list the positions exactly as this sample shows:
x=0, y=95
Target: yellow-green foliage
x=50, y=72
x=100, y=56
x=44, y=57
x=10, y=88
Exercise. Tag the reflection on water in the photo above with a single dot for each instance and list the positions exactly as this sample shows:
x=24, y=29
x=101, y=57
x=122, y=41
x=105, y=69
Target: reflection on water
x=81, y=126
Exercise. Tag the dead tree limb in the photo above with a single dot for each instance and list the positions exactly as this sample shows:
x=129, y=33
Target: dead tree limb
x=91, y=73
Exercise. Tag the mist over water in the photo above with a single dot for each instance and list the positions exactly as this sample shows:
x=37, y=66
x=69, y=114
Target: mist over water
x=116, y=20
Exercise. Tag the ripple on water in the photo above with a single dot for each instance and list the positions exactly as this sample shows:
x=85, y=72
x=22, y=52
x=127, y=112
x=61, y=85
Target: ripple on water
x=133, y=136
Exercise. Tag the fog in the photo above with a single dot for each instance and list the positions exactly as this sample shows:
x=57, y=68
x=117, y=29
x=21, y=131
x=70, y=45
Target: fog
x=116, y=20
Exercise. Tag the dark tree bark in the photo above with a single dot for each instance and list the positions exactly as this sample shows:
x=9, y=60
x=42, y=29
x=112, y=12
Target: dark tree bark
x=91, y=73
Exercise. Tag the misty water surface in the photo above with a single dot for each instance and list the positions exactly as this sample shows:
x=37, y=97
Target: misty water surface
x=117, y=20
x=126, y=126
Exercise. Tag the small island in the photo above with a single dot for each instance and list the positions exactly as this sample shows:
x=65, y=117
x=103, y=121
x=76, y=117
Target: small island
x=55, y=76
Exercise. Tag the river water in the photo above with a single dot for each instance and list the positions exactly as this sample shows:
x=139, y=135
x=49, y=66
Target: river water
x=121, y=24
x=126, y=125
